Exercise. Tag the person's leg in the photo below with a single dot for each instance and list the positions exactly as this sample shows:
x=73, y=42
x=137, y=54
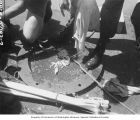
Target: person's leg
x=83, y=21
x=110, y=15
x=135, y=19
x=48, y=12
x=34, y=23
x=32, y=27
x=14, y=10
x=81, y=28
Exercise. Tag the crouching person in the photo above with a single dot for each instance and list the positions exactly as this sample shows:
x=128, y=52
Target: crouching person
x=35, y=19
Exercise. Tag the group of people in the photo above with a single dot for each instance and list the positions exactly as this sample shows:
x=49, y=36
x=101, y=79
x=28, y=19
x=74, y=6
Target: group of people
x=85, y=14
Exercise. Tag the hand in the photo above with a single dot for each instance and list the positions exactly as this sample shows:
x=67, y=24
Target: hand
x=64, y=5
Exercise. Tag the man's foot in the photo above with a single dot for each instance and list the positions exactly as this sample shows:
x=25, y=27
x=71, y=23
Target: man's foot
x=63, y=54
x=95, y=57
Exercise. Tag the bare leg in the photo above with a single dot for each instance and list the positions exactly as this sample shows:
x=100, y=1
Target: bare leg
x=32, y=27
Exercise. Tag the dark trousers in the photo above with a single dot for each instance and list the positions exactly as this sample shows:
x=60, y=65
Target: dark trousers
x=110, y=15
x=135, y=19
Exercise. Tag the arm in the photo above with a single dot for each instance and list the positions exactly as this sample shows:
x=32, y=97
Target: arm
x=64, y=5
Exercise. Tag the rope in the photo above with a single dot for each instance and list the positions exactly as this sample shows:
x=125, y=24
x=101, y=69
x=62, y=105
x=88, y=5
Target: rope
x=100, y=86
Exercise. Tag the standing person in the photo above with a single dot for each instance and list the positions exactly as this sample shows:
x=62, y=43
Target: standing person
x=135, y=19
x=110, y=15
x=86, y=16
x=35, y=19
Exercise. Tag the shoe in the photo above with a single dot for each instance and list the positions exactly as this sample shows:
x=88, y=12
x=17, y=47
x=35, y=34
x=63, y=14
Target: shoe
x=63, y=54
x=95, y=57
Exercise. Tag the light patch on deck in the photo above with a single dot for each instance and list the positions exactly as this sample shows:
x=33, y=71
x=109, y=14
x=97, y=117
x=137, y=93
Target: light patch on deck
x=113, y=52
